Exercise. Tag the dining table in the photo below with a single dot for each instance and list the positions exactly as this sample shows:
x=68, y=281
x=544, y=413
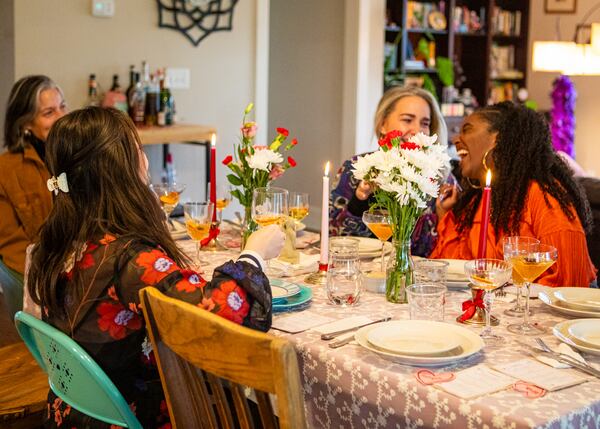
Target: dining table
x=353, y=387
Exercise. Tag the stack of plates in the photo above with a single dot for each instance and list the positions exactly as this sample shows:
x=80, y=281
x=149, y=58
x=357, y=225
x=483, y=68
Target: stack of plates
x=574, y=301
x=419, y=342
x=371, y=247
x=289, y=296
x=583, y=334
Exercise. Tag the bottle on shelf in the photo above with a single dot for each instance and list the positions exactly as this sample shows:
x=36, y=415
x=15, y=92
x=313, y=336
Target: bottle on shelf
x=169, y=176
x=115, y=97
x=165, y=114
x=131, y=86
x=137, y=102
x=152, y=102
x=93, y=98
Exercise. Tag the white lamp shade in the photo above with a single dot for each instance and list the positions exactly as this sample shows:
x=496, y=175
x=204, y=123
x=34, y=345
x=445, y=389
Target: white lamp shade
x=583, y=62
x=552, y=56
x=596, y=38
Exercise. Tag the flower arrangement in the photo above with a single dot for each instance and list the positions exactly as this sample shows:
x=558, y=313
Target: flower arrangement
x=405, y=172
x=256, y=166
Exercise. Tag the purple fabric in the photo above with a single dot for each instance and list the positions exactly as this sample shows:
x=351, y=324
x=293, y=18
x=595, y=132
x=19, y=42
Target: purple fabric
x=563, y=115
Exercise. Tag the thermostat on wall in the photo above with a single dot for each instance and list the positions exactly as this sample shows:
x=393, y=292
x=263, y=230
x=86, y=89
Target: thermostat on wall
x=103, y=8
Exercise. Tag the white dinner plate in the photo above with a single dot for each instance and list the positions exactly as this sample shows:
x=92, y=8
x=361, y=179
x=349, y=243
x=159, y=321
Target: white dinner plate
x=587, y=331
x=371, y=247
x=177, y=230
x=470, y=343
x=561, y=331
x=578, y=298
x=414, y=338
x=547, y=297
x=281, y=289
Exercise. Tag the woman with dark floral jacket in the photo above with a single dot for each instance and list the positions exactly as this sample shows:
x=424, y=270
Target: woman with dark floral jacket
x=106, y=239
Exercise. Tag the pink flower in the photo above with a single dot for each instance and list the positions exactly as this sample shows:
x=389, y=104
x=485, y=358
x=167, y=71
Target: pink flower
x=249, y=129
x=275, y=172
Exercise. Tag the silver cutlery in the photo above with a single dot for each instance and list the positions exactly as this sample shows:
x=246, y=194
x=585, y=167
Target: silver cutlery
x=332, y=335
x=342, y=341
x=569, y=360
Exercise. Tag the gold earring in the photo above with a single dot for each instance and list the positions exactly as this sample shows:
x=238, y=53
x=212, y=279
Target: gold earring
x=471, y=184
x=483, y=161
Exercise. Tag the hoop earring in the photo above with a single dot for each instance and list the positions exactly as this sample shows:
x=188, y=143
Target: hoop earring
x=471, y=184
x=483, y=161
x=27, y=132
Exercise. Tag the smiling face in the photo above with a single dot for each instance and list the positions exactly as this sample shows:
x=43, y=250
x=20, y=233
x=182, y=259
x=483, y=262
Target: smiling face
x=51, y=106
x=474, y=140
x=410, y=115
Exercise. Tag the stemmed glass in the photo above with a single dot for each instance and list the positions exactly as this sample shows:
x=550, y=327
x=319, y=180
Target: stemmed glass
x=378, y=222
x=223, y=199
x=530, y=260
x=168, y=196
x=299, y=206
x=198, y=219
x=488, y=274
x=269, y=207
x=507, y=244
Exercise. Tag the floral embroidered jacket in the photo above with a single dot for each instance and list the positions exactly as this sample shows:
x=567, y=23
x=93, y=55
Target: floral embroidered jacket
x=345, y=213
x=108, y=322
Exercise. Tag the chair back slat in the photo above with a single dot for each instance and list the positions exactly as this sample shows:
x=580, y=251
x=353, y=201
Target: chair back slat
x=72, y=374
x=224, y=351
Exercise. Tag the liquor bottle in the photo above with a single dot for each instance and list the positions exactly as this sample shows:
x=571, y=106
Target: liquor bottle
x=115, y=97
x=137, y=102
x=169, y=174
x=165, y=115
x=152, y=102
x=131, y=86
x=93, y=99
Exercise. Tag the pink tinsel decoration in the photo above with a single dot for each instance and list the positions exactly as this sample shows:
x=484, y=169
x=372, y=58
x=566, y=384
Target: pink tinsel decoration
x=563, y=115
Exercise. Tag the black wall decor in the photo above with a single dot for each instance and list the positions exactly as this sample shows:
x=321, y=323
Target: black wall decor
x=196, y=19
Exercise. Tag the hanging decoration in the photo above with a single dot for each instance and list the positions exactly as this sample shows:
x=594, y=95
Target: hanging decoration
x=196, y=19
x=563, y=115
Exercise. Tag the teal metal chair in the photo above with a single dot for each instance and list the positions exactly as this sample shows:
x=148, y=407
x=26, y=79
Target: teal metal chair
x=72, y=373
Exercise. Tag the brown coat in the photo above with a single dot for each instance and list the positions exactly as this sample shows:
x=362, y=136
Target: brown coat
x=25, y=202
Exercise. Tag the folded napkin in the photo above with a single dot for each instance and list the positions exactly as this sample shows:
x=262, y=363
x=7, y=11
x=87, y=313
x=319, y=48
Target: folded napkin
x=306, y=264
x=562, y=348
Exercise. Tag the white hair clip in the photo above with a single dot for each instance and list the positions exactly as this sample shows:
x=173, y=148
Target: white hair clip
x=58, y=183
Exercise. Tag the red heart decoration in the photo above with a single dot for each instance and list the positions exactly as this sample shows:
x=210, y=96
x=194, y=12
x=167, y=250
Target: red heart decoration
x=426, y=377
x=529, y=390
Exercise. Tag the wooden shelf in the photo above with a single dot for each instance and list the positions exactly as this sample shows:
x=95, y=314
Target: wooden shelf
x=426, y=30
x=470, y=34
x=176, y=134
x=417, y=71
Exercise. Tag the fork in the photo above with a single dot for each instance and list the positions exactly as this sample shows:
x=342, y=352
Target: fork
x=570, y=360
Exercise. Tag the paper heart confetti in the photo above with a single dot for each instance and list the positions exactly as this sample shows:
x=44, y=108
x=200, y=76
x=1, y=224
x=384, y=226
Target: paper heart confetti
x=529, y=390
x=426, y=377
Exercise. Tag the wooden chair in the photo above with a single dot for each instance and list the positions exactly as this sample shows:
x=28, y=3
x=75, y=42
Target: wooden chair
x=202, y=357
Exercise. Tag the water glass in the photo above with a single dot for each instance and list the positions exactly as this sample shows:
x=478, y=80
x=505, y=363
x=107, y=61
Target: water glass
x=344, y=278
x=426, y=301
x=430, y=271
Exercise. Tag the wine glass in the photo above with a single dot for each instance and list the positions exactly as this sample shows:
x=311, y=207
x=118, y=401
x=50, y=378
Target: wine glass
x=507, y=244
x=378, y=222
x=488, y=274
x=168, y=196
x=223, y=199
x=198, y=219
x=269, y=207
x=530, y=260
x=299, y=206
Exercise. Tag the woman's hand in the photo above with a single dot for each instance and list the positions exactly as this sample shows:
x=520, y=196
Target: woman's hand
x=364, y=190
x=267, y=241
x=446, y=199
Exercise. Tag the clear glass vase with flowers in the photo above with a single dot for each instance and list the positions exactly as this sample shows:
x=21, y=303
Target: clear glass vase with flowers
x=405, y=173
x=254, y=166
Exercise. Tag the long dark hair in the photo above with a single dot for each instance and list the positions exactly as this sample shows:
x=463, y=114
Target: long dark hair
x=99, y=150
x=21, y=109
x=523, y=153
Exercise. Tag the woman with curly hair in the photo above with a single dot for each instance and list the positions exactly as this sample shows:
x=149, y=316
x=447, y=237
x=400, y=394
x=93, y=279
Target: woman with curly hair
x=533, y=194
x=103, y=241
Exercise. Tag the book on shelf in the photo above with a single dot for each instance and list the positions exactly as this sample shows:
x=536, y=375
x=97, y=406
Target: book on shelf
x=502, y=63
x=418, y=15
x=506, y=91
x=465, y=20
x=506, y=22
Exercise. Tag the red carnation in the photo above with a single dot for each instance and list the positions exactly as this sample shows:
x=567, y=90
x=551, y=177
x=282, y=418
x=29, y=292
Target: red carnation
x=294, y=142
x=227, y=160
x=283, y=131
x=394, y=134
x=409, y=145
x=292, y=161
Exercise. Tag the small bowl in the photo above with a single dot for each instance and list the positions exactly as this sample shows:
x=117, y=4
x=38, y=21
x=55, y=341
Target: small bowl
x=374, y=281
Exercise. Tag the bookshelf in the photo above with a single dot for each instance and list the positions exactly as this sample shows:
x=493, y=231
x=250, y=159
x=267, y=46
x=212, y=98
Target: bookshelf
x=487, y=39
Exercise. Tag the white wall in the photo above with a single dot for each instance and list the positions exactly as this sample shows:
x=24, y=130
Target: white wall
x=543, y=27
x=60, y=38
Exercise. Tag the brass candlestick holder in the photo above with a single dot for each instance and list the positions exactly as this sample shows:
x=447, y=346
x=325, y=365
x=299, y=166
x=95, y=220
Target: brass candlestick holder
x=214, y=244
x=478, y=318
x=319, y=277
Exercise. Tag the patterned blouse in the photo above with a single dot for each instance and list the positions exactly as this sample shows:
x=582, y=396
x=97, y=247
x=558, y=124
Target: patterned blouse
x=345, y=213
x=110, y=326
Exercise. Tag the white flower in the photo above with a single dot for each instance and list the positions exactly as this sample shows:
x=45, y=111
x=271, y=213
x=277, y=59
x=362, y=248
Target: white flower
x=262, y=159
x=423, y=139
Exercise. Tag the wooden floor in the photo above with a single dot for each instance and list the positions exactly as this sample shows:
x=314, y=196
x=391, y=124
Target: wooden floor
x=8, y=332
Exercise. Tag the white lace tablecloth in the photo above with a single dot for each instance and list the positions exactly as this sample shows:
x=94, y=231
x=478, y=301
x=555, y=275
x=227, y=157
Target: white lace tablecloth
x=351, y=387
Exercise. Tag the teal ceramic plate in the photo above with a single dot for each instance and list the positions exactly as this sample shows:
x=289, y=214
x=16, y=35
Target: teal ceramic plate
x=296, y=302
x=282, y=289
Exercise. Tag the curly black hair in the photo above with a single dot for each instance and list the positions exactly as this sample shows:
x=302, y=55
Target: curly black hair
x=523, y=153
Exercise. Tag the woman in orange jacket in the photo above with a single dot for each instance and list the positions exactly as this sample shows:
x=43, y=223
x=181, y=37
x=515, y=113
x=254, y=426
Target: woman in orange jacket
x=34, y=104
x=533, y=194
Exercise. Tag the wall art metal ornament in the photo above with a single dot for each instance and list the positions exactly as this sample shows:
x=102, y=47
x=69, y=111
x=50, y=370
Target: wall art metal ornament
x=196, y=19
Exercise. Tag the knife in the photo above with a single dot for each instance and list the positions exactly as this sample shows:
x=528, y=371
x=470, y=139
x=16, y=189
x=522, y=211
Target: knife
x=332, y=335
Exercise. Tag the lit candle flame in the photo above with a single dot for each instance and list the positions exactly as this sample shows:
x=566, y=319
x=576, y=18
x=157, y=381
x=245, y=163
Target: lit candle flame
x=213, y=139
x=488, y=178
x=326, y=169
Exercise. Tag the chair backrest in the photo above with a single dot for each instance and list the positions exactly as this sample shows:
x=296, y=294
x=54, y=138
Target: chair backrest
x=72, y=373
x=201, y=356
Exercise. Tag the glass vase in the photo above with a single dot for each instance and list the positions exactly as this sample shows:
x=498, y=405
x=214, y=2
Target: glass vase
x=248, y=226
x=399, y=272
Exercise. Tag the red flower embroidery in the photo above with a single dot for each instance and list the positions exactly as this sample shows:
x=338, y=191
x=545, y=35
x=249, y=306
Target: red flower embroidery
x=113, y=293
x=231, y=300
x=190, y=282
x=227, y=160
x=116, y=319
x=292, y=161
x=157, y=266
x=108, y=238
x=283, y=131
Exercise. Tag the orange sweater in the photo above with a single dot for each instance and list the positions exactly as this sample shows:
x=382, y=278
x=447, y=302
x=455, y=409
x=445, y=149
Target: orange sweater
x=547, y=223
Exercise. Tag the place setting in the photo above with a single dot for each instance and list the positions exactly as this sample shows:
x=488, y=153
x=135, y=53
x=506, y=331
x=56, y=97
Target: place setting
x=573, y=301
